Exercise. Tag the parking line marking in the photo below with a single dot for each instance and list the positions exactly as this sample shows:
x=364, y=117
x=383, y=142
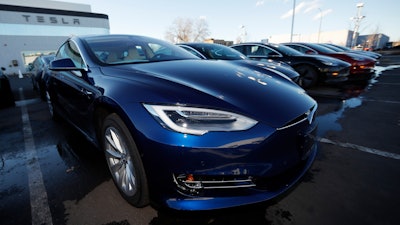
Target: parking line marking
x=361, y=148
x=383, y=101
x=40, y=211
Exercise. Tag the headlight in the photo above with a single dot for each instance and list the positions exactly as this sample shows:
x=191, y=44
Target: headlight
x=198, y=121
x=329, y=63
x=357, y=58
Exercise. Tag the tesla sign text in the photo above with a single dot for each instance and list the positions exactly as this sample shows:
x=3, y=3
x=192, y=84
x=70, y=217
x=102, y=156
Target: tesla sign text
x=51, y=19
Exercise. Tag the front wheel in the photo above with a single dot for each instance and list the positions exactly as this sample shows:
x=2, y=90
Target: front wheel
x=308, y=76
x=124, y=161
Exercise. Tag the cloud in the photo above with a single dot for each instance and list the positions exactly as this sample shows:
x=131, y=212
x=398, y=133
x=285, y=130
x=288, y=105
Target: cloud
x=311, y=6
x=307, y=7
x=259, y=3
x=322, y=14
x=297, y=10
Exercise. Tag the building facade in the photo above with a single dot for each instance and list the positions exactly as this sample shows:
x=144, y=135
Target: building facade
x=372, y=41
x=340, y=37
x=35, y=27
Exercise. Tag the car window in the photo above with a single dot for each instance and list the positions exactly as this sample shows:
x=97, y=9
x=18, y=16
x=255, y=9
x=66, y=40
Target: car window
x=48, y=59
x=257, y=50
x=128, y=49
x=194, y=52
x=69, y=50
x=300, y=48
x=303, y=49
x=240, y=48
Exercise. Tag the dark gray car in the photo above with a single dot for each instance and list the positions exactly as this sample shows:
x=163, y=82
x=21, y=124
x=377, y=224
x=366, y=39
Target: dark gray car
x=212, y=51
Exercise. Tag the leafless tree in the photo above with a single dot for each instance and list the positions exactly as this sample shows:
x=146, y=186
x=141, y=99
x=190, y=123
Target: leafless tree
x=373, y=38
x=187, y=30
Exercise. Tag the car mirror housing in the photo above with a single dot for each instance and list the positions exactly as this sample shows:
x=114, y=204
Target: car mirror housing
x=309, y=52
x=64, y=64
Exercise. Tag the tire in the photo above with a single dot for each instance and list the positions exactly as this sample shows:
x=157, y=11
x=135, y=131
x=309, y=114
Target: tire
x=54, y=115
x=308, y=76
x=124, y=162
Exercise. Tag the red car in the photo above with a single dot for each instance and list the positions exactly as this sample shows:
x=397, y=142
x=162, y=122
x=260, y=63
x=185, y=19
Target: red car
x=362, y=67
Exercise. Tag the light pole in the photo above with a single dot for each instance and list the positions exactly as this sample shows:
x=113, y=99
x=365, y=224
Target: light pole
x=357, y=20
x=294, y=11
x=243, y=33
x=320, y=24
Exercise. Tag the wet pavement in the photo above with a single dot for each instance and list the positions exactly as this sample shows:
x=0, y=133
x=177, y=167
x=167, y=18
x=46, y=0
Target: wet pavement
x=50, y=174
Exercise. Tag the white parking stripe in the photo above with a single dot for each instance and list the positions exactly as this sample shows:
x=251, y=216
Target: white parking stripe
x=361, y=148
x=40, y=211
x=382, y=101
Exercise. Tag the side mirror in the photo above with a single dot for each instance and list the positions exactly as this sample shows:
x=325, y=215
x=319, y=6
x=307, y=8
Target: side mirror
x=29, y=67
x=64, y=64
x=309, y=52
x=273, y=55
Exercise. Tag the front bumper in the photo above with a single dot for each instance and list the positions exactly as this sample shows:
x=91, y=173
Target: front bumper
x=362, y=71
x=263, y=190
x=256, y=165
x=336, y=75
x=362, y=75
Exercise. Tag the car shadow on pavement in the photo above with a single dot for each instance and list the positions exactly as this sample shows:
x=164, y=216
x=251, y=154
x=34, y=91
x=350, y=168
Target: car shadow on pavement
x=341, y=92
x=254, y=214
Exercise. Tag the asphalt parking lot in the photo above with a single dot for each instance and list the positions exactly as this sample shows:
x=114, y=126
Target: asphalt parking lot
x=49, y=173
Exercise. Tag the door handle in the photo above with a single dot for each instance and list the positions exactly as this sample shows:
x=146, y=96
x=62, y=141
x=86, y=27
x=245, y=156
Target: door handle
x=86, y=92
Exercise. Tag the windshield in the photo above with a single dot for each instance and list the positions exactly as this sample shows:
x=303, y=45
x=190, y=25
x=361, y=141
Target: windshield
x=340, y=47
x=48, y=59
x=217, y=51
x=285, y=50
x=320, y=48
x=336, y=49
x=119, y=49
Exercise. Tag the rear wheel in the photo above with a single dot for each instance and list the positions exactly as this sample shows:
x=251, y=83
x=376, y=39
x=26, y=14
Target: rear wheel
x=308, y=76
x=124, y=161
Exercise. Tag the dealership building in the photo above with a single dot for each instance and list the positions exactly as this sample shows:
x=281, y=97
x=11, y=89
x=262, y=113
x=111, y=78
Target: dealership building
x=35, y=27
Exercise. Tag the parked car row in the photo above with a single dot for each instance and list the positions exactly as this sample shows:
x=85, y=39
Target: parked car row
x=362, y=67
x=314, y=63
x=312, y=68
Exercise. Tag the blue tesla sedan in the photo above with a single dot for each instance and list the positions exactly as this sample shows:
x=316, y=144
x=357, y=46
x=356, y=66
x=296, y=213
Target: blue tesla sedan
x=178, y=131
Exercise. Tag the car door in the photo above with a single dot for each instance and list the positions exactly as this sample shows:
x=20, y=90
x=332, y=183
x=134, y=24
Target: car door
x=75, y=91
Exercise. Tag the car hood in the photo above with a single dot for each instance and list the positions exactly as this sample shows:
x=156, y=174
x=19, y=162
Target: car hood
x=351, y=57
x=329, y=59
x=284, y=68
x=236, y=88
